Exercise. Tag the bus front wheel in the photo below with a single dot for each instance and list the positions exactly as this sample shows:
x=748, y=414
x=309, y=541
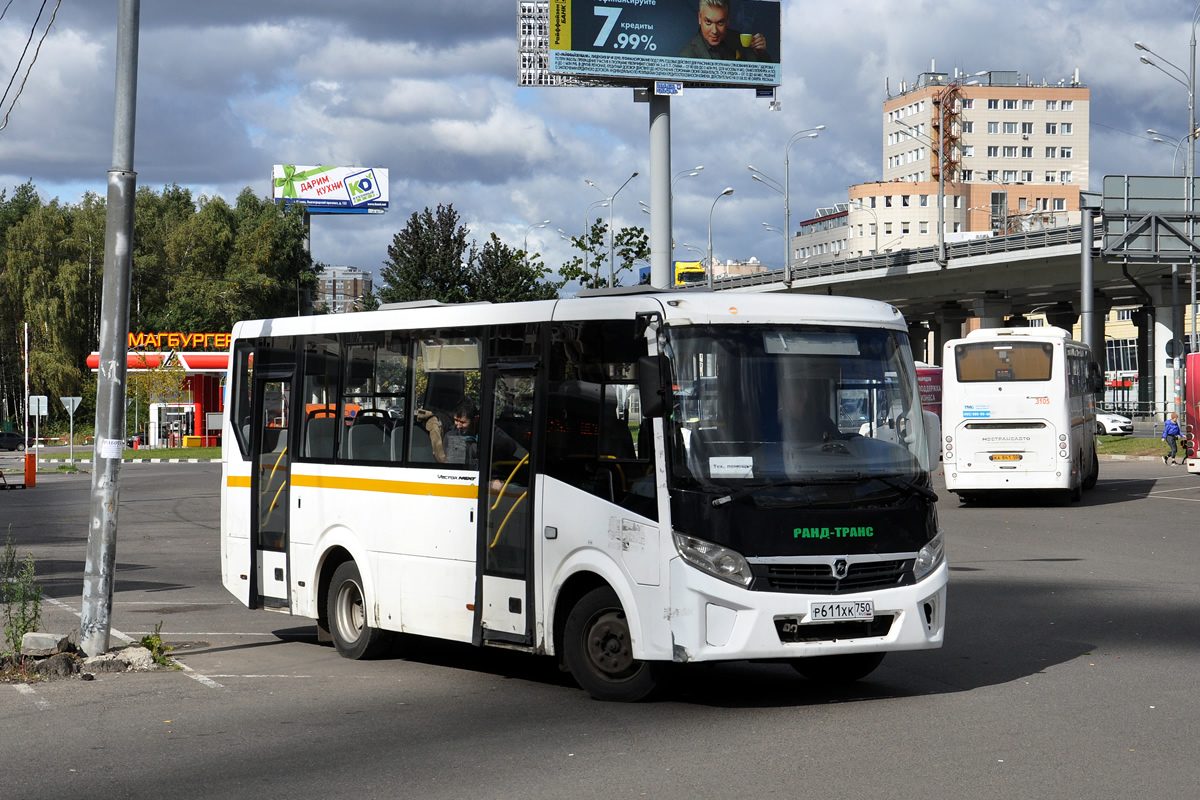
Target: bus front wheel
x=347, y=614
x=835, y=670
x=598, y=650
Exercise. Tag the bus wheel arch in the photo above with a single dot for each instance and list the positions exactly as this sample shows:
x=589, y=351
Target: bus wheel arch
x=597, y=649
x=329, y=564
x=346, y=614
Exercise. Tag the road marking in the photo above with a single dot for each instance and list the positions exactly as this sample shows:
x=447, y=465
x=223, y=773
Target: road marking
x=27, y=690
x=196, y=676
x=260, y=676
x=111, y=630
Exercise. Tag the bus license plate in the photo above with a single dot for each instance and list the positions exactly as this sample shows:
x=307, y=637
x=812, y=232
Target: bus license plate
x=837, y=612
x=1006, y=457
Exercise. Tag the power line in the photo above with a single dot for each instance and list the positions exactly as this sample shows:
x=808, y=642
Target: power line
x=29, y=69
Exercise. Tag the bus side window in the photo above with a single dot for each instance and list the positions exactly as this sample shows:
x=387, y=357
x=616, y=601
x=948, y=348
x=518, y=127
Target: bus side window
x=318, y=439
x=592, y=414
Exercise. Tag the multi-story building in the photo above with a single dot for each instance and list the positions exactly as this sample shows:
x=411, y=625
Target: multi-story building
x=1003, y=154
x=340, y=289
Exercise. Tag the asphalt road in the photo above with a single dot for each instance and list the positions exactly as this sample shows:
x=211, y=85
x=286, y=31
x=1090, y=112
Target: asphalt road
x=1069, y=671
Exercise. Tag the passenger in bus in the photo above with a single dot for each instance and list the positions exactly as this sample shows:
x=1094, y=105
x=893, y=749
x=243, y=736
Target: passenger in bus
x=460, y=445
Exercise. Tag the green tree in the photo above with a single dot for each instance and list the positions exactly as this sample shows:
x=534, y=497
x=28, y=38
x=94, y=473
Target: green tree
x=13, y=209
x=591, y=267
x=501, y=274
x=426, y=260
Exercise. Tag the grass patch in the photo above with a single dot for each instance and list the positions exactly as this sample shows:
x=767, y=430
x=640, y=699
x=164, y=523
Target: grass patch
x=1131, y=446
x=172, y=452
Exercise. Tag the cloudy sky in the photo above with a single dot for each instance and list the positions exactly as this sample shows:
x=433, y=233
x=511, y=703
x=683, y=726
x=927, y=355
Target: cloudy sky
x=429, y=90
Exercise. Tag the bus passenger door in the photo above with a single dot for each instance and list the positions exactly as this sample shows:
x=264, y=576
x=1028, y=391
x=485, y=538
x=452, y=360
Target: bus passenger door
x=270, y=483
x=507, y=471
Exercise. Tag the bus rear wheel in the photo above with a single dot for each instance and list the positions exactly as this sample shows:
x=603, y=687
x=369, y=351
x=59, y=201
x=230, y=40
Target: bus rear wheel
x=347, y=612
x=836, y=670
x=598, y=650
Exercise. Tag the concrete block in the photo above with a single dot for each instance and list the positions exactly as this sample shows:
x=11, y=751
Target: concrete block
x=38, y=643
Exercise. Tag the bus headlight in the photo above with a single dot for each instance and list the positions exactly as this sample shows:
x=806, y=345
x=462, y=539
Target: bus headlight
x=726, y=564
x=930, y=556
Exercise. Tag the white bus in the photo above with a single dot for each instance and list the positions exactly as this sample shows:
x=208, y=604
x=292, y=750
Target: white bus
x=1019, y=412
x=654, y=478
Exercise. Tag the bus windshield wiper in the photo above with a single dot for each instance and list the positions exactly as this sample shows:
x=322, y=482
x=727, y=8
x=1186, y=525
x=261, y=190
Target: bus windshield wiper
x=909, y=487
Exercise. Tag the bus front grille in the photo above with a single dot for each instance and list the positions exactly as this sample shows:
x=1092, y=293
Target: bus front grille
x=819, y=578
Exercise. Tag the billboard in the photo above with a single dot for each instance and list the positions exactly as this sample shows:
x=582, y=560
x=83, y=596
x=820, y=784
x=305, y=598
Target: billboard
x=733, y=43
x=331, y=190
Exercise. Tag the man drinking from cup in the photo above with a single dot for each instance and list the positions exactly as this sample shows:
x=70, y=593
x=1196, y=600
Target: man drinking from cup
x=716, y=40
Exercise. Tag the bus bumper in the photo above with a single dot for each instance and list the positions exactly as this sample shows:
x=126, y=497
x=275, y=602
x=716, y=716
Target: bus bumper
x=731, y=623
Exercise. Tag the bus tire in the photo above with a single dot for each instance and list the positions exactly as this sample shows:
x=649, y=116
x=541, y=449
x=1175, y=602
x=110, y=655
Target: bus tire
x=835, y=670
x=598, y=650
x=347, y=613
x=1089, y=482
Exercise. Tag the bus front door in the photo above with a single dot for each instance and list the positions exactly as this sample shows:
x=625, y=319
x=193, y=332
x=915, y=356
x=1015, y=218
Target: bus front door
x=270, y=483
x=507, y=471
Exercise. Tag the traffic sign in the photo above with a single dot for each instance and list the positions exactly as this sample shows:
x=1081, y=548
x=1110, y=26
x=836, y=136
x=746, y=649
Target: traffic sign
x=38, y=405
x=668, y=88
x=71, y=404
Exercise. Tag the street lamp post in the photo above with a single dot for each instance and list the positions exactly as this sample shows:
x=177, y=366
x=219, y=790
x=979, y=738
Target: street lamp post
x=807, y=133
x=1189, y=83
x=727, y=190
x=612, y=258
x=541, y=224
x=757, y=175
x=587, y=216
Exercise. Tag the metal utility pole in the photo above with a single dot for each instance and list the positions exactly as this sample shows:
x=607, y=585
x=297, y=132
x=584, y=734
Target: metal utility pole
x=96, y=619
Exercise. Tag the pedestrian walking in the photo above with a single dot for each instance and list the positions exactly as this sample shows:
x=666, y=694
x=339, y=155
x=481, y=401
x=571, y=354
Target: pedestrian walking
x=1171, y=437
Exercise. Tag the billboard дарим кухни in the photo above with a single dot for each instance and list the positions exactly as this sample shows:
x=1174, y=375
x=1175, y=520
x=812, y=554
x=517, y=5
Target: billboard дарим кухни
x=331, y=190
x=733, y=44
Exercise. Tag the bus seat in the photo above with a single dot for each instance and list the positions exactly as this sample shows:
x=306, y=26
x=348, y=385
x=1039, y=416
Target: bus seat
x=319, y=435
x=368, y=439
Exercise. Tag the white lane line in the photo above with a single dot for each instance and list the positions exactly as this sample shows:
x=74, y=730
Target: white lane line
x=114, y=632
x=27, y=690
x=260, y=676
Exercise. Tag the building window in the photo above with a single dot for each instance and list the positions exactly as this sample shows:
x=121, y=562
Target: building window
x=1010, y=127
x=1010, y=105
x=1052, y=105
x=1010, y=152
x=993, y=127
x=872, y=204
x=967, y=175
x=958, y=227
x=1068, y=129
x=1051, y=128
x=1064, y=152
x=966, y=103
x=993, y=174
x=1051, y=177
x=924, y=226
x=1051, y=152
x=904, y=227
x=887, y=201
x=923, y=200
x=874, y=229
x=1068, y=105
x=1027, y=128
x=993, y=151
x=1010, y=176
x=1027, y=105
x=1124, y=314
x=1022, y=204
x=958, y=201
x=1064, y=176
x=993, y=103
x=1026, y=152
x=1027, y=176
x=906, y=200
x=968, y=151
x=968, y=127
x=1060, y=204
x=887, y=227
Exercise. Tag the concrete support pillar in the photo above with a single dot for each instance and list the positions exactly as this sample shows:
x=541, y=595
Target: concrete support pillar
x=948, y=324
x=1143, y=320
x=991, y=311
x=918, y=339
x=1101, y=307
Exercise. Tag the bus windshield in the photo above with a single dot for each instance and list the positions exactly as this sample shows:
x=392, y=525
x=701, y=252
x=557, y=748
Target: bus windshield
x=985, y=362
x=757, y=405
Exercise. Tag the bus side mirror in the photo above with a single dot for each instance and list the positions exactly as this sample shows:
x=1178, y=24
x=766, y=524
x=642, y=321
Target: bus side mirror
x=650, y=386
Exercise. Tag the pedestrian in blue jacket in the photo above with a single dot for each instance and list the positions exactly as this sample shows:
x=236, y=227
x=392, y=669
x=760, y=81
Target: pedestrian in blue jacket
x=1171, y=437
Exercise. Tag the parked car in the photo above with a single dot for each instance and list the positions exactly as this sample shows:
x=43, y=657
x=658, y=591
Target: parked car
x=1113, y=425
x=10, y=440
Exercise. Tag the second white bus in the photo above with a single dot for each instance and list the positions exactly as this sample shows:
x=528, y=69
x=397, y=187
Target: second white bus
x=1019, y=413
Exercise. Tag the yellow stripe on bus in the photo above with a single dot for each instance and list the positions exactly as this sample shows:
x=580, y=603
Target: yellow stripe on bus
x=464, y=491
x=238, y=481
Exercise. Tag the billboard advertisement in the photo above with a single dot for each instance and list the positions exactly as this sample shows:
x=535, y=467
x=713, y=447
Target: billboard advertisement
x=725, y=42
x=331, y=190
